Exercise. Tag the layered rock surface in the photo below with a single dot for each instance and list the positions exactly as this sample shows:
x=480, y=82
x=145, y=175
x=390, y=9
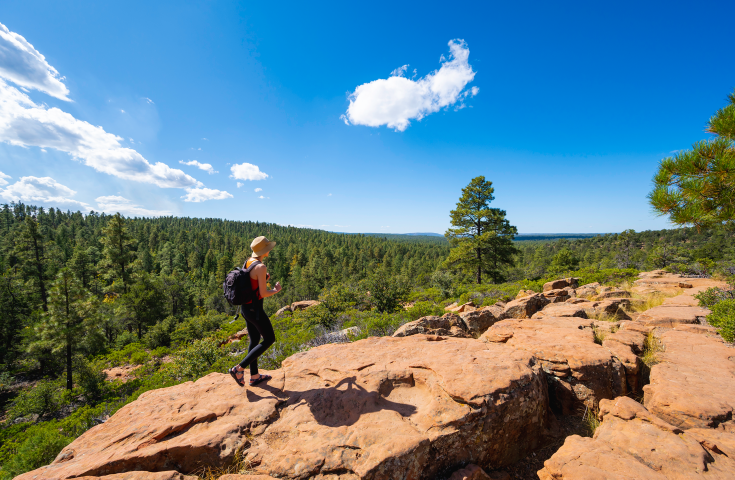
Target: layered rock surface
x=381, y=408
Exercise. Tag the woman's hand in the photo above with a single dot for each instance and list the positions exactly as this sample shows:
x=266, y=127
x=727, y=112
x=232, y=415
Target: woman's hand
x=278, y=287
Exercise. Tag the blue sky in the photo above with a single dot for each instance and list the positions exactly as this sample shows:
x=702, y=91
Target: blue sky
x=567, y=107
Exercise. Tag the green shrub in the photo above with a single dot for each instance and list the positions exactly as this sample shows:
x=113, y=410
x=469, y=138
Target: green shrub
x=90, y=380
x=444, y=282
x=712, y=296
x=124, y=355
x=341, y=297
x=36, y=451
x=125, y=338
x=196, y=360
x=316, y=315
x=723, y=318
x=159, y=335
x=43, y=399
x=196, y=328
x=423, y=309
x=426, y=295
x=386, y=292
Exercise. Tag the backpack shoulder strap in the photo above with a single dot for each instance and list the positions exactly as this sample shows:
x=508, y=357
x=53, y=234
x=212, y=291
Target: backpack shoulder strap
x=250, y=263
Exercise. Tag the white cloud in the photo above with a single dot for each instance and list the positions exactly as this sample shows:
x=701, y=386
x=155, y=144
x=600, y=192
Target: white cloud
x=122, y=111
x=148, y=100
x=247, y=171
x=4, y=178
x=23, y=65
x=202, y=166
x=329, y=194
x=24, y=123
x=41, y=190
x=240, y=184
x=205, y=139
x=114, y=204
x=203, y=194
x=261, y=196
x=256, y=190
x=397, y=100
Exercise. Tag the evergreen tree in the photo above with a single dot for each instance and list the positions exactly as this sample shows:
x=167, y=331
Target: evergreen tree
x=482, y=238
x=81, y=265
x=144, y=303
x=30, y=250
x=72, y=315
x=117, y=252
x=697, y=186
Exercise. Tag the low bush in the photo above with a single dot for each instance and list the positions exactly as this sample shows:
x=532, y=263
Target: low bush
x=159, y=335
x=196, y=360
x=712, y=296
x=423, y=309
x=37, y=450
x=45, y=398
x=723, y=318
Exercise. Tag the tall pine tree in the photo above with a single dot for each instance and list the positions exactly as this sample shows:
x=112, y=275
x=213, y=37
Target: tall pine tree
x=117, y=252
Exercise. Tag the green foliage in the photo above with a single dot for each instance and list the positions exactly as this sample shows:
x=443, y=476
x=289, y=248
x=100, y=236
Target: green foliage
x=562, y=262
x=196, y=328
x=386, y=293
x=424, y=309
x=38, y=450
x=444, y=281
x=46, y=397
x=481, y=237
x=712, y=296
x=159, y=335
x=697, y=186
x=723, y=318
x=196, y=360
x=124, y=356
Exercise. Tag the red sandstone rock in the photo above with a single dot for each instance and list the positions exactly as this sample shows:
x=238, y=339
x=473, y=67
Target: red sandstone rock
x=525, y=307
x=379, y=408
x=123, y=373
x=694, y=385
x=632, y=443
x=582, y=372
x=473, y=472
x=304, y=304
x=682, y=299
x=449, y=325
x=561, y=283
x=232, y=476
x=170, y=475
x=478, y=321
x=670, y=315
x=561, y=310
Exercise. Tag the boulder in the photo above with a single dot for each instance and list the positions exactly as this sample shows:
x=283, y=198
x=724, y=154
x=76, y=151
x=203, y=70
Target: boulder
x=610, y=307
x=524, y=293
x=694, y=385
x=670, y=315
x=476, y=322
x=449, y=325
x=561, y=283
x=379, y=408
x=465, y=307
x=235, y=337
x=612, y=293
x=525, y=307
x=631, y=443
x=473, y=472
x=576, y=300
x=561, y=310
x=580, y=372
x=627, y=346
x=169, y=475
x=304, y=304
x=283, y=310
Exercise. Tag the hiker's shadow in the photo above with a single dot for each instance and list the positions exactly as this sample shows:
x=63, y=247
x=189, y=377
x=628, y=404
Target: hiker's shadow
x=335, y=405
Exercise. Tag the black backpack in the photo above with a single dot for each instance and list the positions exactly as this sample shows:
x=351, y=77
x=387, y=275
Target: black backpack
x=237, y=287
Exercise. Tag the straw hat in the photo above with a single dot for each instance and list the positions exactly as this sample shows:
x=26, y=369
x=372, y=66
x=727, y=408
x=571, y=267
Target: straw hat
x=261, y=246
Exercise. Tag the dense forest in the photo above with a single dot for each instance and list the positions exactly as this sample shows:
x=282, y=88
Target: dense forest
x=80, y=293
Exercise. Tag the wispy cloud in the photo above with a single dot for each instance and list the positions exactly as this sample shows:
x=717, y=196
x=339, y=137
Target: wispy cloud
x=4, y=179
x=148, y=100
x=202, y=194
x=258, y=190
x=23, y=65
x=115, y=204
x=202, y=166
x=247, y=171
x=240, y=184
x=41, y=190
x=397, y=100
x=329, y=194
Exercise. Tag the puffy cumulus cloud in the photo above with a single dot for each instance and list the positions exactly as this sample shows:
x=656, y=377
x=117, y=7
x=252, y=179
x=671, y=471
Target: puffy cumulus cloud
x=41, y=190
x=247, y=171
x=203, y=194
x=4, y=179
x=114, y=204
x=258, y=190
x=24, y=123
x=201, y=166
x=23, y=65
x=397, y=100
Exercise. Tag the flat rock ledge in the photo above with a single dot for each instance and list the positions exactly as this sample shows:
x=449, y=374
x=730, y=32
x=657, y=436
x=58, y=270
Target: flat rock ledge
x=415, y=407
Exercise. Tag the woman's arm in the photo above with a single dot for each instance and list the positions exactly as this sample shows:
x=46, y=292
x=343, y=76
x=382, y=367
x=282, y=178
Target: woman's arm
x=261, y=273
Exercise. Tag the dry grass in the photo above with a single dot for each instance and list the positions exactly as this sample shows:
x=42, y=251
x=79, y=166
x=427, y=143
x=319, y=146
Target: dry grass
x=591, y=420
x=650, y=300
x=599, y=335
x=603, y=316
x=652, y=349
x=238, y=466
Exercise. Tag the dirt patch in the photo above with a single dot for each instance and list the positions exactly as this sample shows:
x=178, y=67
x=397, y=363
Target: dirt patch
x=124, y=373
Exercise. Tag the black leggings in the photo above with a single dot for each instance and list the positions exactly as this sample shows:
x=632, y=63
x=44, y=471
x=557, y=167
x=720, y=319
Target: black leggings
x=259, y=325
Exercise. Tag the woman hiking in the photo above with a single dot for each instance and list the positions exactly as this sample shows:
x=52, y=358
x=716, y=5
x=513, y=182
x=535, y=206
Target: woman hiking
x=258, y=323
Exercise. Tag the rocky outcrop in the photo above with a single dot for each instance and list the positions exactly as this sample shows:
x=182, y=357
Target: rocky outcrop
x=123, y=373
x=473, y=472
x=661, y=282
x=478, y=321
x=525, y=307
x=449, y=325
x=297, y=306
x=612, y=293
x=561, y=283
x=246, y=477
x=670, y=315
x=561, y=310
x=694, y=385
x=465, y=307
x=381, y=408
x=580, y=372
x=632, y=443
x=169, y=475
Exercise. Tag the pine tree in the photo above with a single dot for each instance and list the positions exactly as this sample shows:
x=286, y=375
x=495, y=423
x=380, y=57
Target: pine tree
x=117, y=252
x=697, y=186
x=72, y=315
x=482, y=238
x=30, y=250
